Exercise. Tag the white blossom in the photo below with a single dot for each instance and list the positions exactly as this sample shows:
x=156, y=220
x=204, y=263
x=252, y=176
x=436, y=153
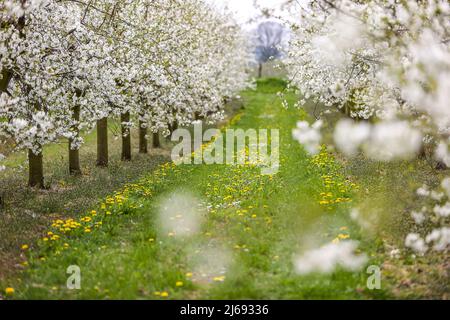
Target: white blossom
x=309, y=135
x=416, y=243
x=330, y=256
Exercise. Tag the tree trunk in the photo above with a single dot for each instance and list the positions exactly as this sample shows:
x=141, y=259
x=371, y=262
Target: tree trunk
x=74, y=154
x=4, y=81
x=142, y=138
x=260, y=69
x=35, y=170
x=441, y=166
x=422, y=152
x=156, y=142
x=172, y=128
x=126, y=137
x=102, y=142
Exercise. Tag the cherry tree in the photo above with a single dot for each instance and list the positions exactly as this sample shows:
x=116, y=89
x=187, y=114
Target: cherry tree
x=68, y=66
x=383, y=61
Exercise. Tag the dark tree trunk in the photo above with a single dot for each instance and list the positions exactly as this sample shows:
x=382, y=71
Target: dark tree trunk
x=74, y=154
x=422, y=152
x=155, y=140
x=441, y=166
x=35, y=170
x=102, y=142
x=126, y=137
x=172, y=128
x=143, y=143
x=4, y=81
x=260, y=69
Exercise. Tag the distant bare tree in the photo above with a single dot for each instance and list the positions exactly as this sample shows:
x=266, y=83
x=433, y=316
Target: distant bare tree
x=270, y=35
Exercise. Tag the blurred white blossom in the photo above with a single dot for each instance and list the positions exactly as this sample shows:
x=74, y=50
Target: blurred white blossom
x=309, y=135
x=330, y=256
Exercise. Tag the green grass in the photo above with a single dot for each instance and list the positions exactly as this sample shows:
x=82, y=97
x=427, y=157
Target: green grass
x=27, y=212
x=257, y=225
x=386, y=197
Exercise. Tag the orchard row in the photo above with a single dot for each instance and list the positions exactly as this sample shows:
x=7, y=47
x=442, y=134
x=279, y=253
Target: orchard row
x=69, y=65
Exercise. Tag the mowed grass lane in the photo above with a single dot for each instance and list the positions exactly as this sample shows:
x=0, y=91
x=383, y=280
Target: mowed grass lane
x=254, y=227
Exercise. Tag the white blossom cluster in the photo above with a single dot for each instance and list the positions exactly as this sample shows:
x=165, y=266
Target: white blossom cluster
x=309, y=135
x=329, y=257
x=386, y=61
x=165, y=61
x=437, y=215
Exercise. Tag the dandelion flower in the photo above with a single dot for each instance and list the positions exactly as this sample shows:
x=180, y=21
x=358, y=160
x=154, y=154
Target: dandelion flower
x=219, y=279
x=9, y=291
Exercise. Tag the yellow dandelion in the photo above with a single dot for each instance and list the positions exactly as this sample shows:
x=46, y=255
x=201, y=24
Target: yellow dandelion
x=179, y=284
x=164, y=294
x=219, y=279
x=24, y=247
x=9, y=291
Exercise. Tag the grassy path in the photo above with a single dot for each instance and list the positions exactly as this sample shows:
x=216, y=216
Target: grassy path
x=254, y=226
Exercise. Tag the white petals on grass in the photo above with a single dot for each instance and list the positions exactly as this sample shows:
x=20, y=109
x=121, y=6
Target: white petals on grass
x=418, y=216
x=309, y=135
x=423, y=191
x=416, y=243
x=180, y=214
x=329, y=257
x=442, y=211
x=440, y=238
